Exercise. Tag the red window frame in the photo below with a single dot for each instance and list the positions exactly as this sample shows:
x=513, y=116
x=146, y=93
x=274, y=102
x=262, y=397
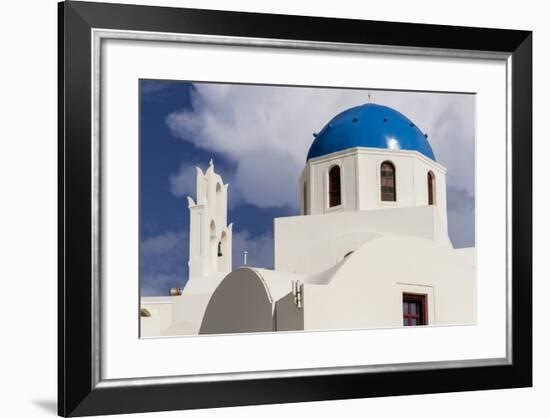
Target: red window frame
x=388, y=191
x=420, y=312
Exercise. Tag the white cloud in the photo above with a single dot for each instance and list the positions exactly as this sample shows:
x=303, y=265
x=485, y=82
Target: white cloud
x=267, y=132
x=183, y=182
x=460, y=215
x=161, y=243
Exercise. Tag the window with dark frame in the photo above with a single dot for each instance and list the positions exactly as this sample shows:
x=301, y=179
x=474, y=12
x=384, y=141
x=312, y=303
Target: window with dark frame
x=431, y=188
x=414, y=310
x=387, y=182
x=334, y=190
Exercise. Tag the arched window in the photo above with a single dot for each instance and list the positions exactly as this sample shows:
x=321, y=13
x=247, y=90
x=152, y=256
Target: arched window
x=387, y=182
x=334, y=192
x=431, y=188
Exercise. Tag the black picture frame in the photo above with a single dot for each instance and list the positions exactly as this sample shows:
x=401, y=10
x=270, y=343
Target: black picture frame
x=79, y=394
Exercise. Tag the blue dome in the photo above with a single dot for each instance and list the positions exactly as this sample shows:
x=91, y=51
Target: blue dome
x=372, y=126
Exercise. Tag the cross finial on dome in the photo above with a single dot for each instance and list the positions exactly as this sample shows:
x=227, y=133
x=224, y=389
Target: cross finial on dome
x=211, y=162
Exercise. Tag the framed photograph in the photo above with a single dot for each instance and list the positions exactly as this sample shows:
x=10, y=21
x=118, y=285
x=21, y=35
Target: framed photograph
x=265, y=208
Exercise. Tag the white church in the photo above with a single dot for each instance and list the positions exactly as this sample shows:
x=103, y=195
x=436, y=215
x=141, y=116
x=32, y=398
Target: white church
x=369, y=249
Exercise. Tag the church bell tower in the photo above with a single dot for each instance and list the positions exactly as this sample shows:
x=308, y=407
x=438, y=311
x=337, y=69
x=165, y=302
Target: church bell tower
x=210, y=238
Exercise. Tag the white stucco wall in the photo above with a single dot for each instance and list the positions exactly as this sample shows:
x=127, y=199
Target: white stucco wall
x=367, y=290
x=468, y=253
x=161, y=318
x=360, y=181
x=308, y=244
x=317, y=182
x=179, y=315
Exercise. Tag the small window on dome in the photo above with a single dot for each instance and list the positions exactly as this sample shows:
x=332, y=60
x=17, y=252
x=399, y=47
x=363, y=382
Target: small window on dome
x=387, y=182
x=334, y=190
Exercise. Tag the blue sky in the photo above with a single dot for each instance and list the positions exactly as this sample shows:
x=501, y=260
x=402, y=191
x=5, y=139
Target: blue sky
x=258, y=137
